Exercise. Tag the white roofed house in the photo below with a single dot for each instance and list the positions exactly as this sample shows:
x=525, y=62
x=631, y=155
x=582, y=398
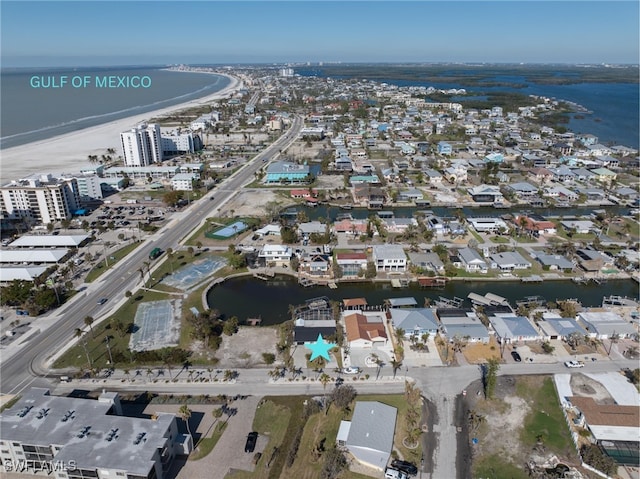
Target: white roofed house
x=605, y=324
x=389, y=257
x=279, y=255
x=369, y=434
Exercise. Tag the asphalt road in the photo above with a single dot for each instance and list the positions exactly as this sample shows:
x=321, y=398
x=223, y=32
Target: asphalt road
x=22, y=370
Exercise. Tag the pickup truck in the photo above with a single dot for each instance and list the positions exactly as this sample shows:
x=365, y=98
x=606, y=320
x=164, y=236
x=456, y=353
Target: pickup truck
x=574, y=364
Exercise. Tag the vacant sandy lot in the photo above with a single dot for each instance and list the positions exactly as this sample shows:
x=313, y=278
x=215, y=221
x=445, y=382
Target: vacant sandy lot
x=244, y=349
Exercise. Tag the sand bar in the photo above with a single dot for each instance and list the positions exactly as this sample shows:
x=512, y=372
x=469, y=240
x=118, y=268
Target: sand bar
x=68, y=153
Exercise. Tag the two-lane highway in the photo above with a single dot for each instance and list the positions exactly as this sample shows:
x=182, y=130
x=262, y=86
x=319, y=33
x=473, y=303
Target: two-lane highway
x=19, y=371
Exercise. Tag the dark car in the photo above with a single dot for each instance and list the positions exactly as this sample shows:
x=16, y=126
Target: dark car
x=516, y=357
x=250, y=445
x=102, y=300
x=405, y=466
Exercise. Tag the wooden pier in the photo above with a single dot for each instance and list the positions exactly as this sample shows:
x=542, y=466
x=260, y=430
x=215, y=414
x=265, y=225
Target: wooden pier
x=264, y=275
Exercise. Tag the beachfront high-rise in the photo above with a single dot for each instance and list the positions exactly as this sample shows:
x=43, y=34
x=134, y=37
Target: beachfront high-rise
x=39, y=199
x=142, y=146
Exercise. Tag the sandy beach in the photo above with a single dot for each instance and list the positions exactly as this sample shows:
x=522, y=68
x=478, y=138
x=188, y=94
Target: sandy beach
x=68, y=153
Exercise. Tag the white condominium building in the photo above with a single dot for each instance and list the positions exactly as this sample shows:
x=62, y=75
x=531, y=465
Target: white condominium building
x=142, y=146
x=40, y=199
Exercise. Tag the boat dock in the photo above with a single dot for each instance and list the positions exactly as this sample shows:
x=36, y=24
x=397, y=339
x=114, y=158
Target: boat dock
x=264, y=275
x=488, y=299
x=532, y=279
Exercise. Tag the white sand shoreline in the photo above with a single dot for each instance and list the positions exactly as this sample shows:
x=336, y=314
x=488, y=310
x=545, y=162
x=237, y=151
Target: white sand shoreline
x=68, y=153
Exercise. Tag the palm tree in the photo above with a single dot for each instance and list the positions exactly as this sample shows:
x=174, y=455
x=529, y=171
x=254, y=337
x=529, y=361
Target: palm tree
x=324, y=379
x=149, y=373
x=395, y=364
x=88, y=321
x=185, y=413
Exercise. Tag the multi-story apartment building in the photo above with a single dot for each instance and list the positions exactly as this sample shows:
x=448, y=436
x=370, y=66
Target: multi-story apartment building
x=142, y=146
x=39, y=199
x=72, y=438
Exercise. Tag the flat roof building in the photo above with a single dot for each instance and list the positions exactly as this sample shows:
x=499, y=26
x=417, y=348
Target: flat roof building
x=82, y=438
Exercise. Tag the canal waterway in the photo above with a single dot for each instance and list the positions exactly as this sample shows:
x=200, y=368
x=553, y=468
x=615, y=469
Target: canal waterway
x=248, y=297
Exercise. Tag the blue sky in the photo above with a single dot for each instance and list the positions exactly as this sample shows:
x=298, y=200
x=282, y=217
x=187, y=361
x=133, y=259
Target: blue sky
x=85, y=33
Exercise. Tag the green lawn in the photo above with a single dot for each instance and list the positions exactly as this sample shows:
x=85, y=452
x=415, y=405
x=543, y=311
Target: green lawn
x=206, y=445
x=495, y=467
x=320, y=427
x=546, y=419
x=273, y=419
x=398, y=401
x=101, y=267
x=96, y=344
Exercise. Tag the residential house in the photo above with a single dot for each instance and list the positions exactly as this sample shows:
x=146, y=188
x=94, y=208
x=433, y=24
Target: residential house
x=523, y=190
x=369, y=434
x=316, y=264
x=280, y=255
x=389, y=257
x=471, y=260
x=535, y=224
x=365, y=330
x=352, y=264
x=598, y=150
x=591, y=260
x=484, y=225
x=541, y=175
x=486, y=194
x=307, y=330
x=554, y=262
x=604, y=175
x=494, y=158
x=614, y=427
x=432, y=176
x=305, y=230
x=463, y=324
x=554, y=326
x=605, y=324
x=510, y=328
x=352, y=227
x=509, y=261
x=444, y=148
x=414, y=321
x=427, y=261
x=410, y=194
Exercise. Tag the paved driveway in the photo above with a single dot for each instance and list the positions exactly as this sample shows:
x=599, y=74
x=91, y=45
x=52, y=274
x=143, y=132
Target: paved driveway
x=229, y=452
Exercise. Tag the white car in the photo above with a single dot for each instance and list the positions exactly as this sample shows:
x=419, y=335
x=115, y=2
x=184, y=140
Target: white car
x=574, y=364
x=351, y=370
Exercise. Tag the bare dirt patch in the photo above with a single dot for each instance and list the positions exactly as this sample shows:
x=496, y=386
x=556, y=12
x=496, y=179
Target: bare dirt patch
x=252, y=203
x=584, y=386
x=476, y=353
x=244, y=349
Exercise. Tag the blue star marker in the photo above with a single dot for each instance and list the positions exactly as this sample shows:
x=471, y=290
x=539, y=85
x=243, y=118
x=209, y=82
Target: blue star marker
x=320, y=348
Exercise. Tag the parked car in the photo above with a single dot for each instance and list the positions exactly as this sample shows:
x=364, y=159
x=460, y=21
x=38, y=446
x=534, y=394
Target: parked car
x=516, y=357
x=574, y=364
x=391, y=473
x=250, y=445
x=405, y=466
x=351, y=370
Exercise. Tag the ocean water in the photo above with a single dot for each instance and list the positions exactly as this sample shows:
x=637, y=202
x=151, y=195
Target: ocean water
x=615, y=107
x=37, y=105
